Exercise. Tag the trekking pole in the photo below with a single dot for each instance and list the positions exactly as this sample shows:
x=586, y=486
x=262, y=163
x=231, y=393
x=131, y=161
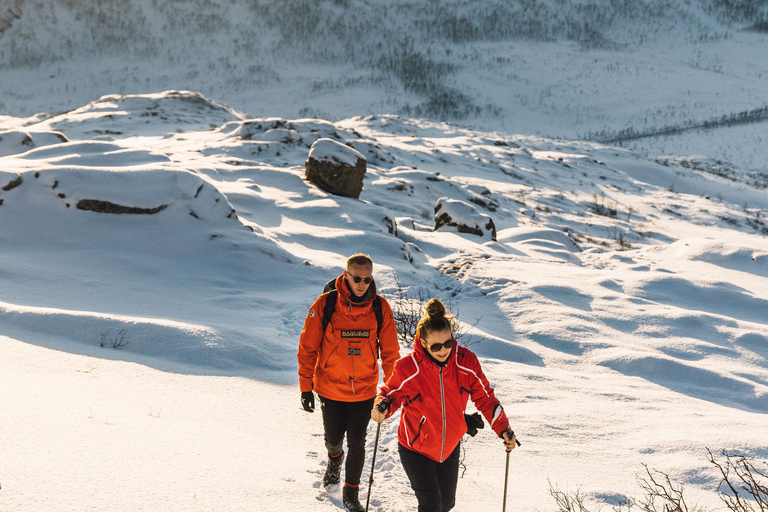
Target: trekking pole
x=506, y=477
x=382, y=407
x=370, y=482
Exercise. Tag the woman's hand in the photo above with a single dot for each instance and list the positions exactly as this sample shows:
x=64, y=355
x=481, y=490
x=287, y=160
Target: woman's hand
x=509, y=440
x=379, y=411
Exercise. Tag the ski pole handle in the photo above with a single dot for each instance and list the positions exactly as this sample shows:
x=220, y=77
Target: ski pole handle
x=512, y=433
x=383, y=406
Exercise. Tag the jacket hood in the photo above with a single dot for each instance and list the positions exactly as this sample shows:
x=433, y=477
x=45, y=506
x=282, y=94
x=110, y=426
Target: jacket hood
x=345, y=294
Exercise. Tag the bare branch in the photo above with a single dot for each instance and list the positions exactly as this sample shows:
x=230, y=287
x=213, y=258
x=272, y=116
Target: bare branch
x=744, y=483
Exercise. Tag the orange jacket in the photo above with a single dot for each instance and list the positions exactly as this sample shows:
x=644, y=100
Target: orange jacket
x=435, y=397
x=342, y=362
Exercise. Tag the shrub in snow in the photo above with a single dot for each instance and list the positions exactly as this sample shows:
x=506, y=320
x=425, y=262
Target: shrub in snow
x=464, y=218
x=336, y=168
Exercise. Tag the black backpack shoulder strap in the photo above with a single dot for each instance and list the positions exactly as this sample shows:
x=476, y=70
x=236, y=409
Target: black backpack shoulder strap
x=329, y=308
x=379, y=315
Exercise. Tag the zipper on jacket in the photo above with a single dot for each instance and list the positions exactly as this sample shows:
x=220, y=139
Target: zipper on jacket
x=409, y=402
x=442, y=397
x=352, y=378
x=418, y=432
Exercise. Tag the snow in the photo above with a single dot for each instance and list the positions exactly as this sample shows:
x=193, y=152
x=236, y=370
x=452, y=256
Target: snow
x=622, y=308
x=330, y=150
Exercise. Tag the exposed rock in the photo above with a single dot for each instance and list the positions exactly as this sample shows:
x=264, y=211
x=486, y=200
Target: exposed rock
x=464, y=218
x=94, y=205
x=13, y=184
x=336, y=168
x=391, y=225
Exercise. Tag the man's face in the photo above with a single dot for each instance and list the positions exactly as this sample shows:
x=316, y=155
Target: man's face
x=364, y=272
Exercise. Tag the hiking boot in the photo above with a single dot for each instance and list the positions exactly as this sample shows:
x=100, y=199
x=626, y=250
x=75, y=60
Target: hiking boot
x=333, y=470
x=351, y=502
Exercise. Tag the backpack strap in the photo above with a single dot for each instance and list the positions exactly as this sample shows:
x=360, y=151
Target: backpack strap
x=330, y=307
x=379, y=316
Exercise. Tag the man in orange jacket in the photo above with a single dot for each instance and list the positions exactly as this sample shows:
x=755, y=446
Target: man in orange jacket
x=339, y=360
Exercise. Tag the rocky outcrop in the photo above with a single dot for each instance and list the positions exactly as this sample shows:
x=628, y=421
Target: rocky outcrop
x=464, y=218
x=336, y=168
x=13, y=184
x=94, y=205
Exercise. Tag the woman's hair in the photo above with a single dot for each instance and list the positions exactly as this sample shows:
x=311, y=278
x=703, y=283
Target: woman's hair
x=435, y=319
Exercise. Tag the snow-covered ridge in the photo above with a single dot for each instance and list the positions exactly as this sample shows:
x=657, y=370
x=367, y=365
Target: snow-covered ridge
x=563, y=69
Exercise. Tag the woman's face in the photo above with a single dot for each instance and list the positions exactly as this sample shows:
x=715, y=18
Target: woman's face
x=438, y=338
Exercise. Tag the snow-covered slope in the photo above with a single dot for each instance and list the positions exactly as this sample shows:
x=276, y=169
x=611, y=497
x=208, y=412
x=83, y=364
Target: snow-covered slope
x=622, y=306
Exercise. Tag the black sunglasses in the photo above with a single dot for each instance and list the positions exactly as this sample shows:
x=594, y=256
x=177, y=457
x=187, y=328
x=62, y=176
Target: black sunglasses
x=357, y=279
x=437, y=347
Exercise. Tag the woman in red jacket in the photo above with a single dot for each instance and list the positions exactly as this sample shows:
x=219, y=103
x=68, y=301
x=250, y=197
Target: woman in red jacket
x=433, y=385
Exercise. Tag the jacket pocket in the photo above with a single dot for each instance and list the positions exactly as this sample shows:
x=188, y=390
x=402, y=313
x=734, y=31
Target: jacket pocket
x=415, y=435
x=409, y=401
x=329, y=357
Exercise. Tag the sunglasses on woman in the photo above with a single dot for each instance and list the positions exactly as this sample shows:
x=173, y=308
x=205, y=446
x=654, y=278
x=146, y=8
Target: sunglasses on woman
x=437, y=347
x=357, y=279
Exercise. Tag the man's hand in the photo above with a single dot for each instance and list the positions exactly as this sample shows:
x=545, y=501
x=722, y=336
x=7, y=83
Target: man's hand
x=509, y=440
x=308, y=401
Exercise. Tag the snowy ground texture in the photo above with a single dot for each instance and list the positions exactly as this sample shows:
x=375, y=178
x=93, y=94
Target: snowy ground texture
x=622, y=307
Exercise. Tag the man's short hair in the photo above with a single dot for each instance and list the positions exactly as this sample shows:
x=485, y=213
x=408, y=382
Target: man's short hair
x=359, y=259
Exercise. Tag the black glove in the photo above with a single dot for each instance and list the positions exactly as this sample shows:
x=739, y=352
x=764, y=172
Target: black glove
x=383, y=406
x=474, y=422
x=308, y=401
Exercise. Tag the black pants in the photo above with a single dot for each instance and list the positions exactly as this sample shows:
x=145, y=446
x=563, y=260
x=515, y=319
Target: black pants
x=351, y=418
x=433, y=482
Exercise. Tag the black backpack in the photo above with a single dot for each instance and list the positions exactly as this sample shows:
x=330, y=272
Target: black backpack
x=330, y=307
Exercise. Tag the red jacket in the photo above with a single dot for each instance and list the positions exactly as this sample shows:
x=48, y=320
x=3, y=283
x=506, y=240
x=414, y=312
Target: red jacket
x=435, y=397
x=342, y=362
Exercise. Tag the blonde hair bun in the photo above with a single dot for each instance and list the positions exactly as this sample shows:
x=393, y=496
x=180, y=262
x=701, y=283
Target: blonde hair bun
x=435, y=319
x=435, y=309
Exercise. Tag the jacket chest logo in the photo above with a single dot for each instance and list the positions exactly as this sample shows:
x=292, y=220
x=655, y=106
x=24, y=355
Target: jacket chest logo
x=355, y=334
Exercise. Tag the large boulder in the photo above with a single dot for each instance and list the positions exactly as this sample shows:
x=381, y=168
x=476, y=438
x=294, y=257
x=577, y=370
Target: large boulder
x=459, y=216
x=336, y=168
